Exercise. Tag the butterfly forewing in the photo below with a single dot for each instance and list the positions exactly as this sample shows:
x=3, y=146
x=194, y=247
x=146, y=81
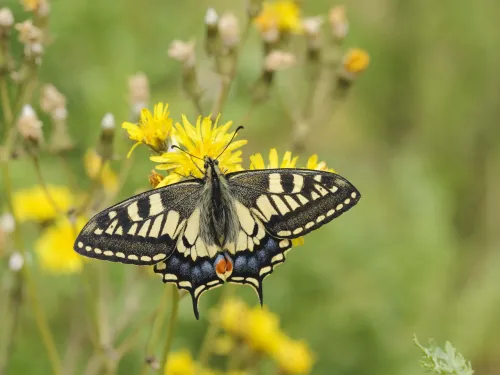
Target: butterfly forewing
x=143, y=229
x=293, y=202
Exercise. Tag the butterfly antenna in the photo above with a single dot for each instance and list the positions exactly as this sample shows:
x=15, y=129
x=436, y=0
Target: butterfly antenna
x=231, y=141
x=192, y=156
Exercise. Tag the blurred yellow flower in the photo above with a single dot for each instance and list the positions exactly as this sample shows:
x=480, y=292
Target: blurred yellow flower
x=312, y=163
x=283, y=15
x=152, y=130
x=356, y=61
x=54, y=247
x=30, y=5
x=180, y=363
x=293, y=357
x=233, y=316
x=203, y=139
x=222, y=344
x=32, y=203
x=262, y=331
x=108, y=177
x=257, y=161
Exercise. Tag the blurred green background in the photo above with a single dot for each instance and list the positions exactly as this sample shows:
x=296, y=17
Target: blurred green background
x=418, y=136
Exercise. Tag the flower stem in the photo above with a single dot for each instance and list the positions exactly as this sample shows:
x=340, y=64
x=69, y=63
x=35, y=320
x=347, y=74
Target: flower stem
x=170, y=333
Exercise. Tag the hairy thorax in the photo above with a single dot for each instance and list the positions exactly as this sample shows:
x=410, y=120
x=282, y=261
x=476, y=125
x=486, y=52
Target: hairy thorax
x=219, y=222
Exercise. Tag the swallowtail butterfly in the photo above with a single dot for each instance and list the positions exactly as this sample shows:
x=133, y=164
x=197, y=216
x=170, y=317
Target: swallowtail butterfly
x=202, y=232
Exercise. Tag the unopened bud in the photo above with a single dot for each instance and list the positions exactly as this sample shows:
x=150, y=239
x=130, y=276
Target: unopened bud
x=211, y=17
x=7, y=223
x=229, y=30
x=16, y=262
x=108, y=122
x=29, y=126
x=138, y=86
x=254, y=7
x=6, y=19
x=105, y=145
x=51, y=99
x=338, y=22
x=279, y=60
x=183, y=52
x=29, y=33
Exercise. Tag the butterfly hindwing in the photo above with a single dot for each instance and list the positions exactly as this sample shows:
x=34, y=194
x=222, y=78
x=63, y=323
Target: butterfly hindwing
x=142, y=229
x=293, y=202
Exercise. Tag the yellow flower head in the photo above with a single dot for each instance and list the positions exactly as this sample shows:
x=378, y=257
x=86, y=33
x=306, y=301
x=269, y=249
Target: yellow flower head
x=257, y=161
x=33, y=204
x=93, y=167
x=356, y=61
x=152, y=130
x=180, y=363
x=233, y=315
x=262, y=331
x=200, y=140
x=312, y=163
x=293, y=357
x=283, y=15
x=55, y=247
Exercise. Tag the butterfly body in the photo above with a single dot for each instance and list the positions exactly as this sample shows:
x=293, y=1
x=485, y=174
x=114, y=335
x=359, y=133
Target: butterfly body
x=234, y=227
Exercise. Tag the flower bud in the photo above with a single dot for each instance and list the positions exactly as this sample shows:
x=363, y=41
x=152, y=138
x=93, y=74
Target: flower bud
x=229, y=30
x=6, y=20
x=16, y=261
x=138, y=87
x=279, y=60
x=105, y=145
x=355, y=62
x=7, y=223
x=183, y=52
x=312, y=28
x=211, y=22
x=338, y=22
x=29, y=126
x=211, y=18
x=51, y=99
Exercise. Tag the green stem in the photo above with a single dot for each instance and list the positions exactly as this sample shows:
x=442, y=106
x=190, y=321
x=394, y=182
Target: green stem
x=170, y=333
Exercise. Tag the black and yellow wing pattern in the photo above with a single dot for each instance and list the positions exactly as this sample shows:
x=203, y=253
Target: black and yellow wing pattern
x=288, y=203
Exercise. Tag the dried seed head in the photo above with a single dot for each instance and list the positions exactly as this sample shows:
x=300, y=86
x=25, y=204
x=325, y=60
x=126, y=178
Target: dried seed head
x=183, y=52
x=229, y=30
x=108, y=122
x=29, y=33
x=211, y=17
x=29, y=126
x=138, y=87
x=279, y=60
x=6, y=18
x=338, y=22
x=155, y=178
x=51, y=99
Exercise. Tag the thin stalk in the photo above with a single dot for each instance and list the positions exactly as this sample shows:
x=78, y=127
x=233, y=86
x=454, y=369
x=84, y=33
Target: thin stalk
x=45, y=188
x=171, y=328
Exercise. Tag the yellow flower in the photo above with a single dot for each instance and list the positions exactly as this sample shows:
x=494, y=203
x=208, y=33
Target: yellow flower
x=32, y=203
x=262, y=331
x=283, y=15
x=108, y=177
x=257, y=161
x=223, y=345
x=356, y=61
x=180, y=363
x=312, y=163
x=152, y=130
x=233, y=315
x=293, y=357
x=203, y=139
x=55, y=247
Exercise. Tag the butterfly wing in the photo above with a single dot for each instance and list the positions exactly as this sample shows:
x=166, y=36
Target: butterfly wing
x=287, y=203
x=142, y=229
x=293, y=202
